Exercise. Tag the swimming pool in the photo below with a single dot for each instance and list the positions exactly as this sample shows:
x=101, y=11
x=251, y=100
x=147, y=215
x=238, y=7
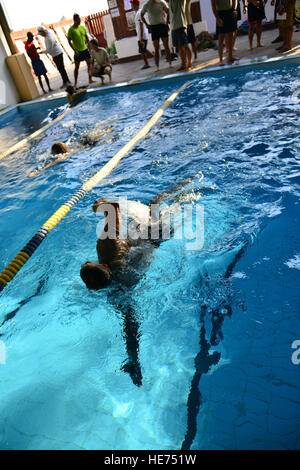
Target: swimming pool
x=215, y=326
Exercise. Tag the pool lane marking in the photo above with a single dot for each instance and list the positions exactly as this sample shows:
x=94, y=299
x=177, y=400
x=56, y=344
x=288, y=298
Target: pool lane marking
x=23, y=256
x=35, y=134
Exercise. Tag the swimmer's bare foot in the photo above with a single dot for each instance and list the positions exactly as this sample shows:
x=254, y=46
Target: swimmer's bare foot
x=260, y=45
x=92, y=81
x=34, y=173
x=182, y=68
x=221, y=63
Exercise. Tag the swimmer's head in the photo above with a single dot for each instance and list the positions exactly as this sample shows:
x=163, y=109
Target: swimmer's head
x=70, y=90
x=96, y=276
x=100, y=205
x=30, y=36
x=59, y=147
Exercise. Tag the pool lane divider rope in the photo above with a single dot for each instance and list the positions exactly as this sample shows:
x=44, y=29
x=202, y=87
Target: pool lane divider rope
x=23, y=256
x=35, y=134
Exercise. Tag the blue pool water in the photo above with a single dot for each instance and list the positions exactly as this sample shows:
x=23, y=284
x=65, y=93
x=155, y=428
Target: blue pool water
x=214, y=326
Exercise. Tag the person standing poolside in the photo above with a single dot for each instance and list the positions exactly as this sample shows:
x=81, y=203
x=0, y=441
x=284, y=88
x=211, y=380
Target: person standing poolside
x=286, y=26
x=37, y=64
x=142, y=33
x=190, y=29
x=279, y=37
x=101, y=65
x=179, y=25
x=238, y=18
x=256, y=13
x=55, y=50
x=79, y=42
x=225, y=12
x=158, y=26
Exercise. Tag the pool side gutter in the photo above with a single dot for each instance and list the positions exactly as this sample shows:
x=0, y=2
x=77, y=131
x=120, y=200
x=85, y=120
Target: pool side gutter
x=245, y=64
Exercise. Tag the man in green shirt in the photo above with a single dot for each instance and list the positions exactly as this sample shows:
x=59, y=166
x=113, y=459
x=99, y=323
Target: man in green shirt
x=79, y=42
x=158, y=20
x=179, y=28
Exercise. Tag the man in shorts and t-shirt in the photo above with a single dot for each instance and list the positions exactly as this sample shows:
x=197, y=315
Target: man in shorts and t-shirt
x=142, y=33
x=101, y=65
x=79, y=41
x=158, y=19
x=225, y=12
x=179, y=25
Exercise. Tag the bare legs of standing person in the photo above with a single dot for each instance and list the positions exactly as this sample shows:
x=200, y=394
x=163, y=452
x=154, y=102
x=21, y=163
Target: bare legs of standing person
x=228, y=37
x=167, y=49
x=47, y=81
x=156, y=51
x=258, y=33
x=186, y=57
x=89, y=64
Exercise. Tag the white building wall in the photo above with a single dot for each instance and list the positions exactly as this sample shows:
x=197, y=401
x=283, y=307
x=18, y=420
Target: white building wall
x=108, y=29
x=8, y=91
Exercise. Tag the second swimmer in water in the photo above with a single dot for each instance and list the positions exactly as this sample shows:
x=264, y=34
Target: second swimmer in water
x=60, y=148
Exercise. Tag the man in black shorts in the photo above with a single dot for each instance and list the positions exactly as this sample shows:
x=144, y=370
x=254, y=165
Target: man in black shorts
x=79, y=41
x=179, y=25
x=225, y=12
x=158, y=20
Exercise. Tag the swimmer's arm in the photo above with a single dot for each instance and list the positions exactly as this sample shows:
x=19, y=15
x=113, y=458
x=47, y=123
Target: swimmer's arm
x=115, y=219
x=60, y=159
x=78, y=93
x=172, y=190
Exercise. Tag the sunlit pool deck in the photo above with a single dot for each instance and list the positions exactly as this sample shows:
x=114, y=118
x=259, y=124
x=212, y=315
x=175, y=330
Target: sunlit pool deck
x=198, y=70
